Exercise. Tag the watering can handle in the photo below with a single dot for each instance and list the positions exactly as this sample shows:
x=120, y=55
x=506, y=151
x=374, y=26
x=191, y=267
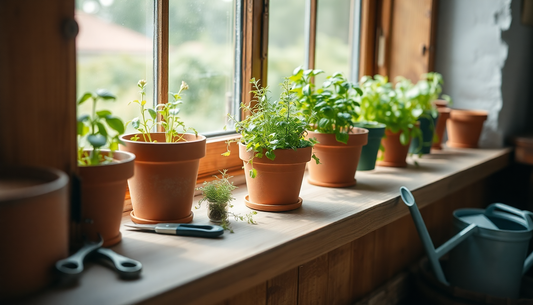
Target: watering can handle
x=523, y=215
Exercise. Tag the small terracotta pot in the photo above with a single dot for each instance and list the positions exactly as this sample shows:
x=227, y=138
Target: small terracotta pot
x=338, y=161
x=103, y=188
x=162, y=188
x=464, y=127
x=277, y=185
x=395, y=153
x=444, y=115
x=34, y=218
x=440, y=103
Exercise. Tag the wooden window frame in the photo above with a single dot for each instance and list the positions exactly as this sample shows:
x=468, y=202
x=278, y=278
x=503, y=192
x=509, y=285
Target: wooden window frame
x=253, y=64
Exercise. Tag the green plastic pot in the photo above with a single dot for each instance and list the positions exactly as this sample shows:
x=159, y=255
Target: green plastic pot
x=369, y=154
x=427, y=127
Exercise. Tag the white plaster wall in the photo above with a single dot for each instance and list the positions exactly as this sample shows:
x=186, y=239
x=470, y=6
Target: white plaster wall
x=471, y=54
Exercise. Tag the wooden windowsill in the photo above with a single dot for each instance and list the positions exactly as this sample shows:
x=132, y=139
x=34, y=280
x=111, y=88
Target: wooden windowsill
x=189, y=270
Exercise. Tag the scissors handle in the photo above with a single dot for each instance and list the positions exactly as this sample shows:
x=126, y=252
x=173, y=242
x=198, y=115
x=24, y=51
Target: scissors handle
x=73, y=265
x=126, y=267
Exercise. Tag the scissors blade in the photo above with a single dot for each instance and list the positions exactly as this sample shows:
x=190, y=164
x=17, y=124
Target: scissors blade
x=144, y=227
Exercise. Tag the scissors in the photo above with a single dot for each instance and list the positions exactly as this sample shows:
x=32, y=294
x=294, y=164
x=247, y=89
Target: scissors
x=71, y=267
x=183, y=229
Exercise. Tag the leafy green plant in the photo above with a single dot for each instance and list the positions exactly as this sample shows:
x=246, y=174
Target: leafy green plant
x=271, y=124
x=381, y=103
x=331, y=108
x=93, y=129
x=172, y=125
x=218, y=196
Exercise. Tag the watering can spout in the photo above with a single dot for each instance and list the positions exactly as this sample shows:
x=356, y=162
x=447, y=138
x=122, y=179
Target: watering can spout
x=432, y=253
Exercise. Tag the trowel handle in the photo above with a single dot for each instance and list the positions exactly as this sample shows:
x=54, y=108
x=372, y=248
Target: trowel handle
x=522, y=215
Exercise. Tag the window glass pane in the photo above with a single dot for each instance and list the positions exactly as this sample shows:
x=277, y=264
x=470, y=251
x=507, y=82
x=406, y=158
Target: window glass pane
x=286, y=41
x=202, y=53
x=333, y=38
x=114, y=51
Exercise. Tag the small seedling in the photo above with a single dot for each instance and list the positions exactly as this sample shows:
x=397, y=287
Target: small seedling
x=218, y=196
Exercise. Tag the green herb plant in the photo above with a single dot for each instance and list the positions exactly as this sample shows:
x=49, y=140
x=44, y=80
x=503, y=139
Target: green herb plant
x=98, y=130
x=331, y=108
x=271, y=124
x=381, y=103
x=218, y=196
x=172, y=125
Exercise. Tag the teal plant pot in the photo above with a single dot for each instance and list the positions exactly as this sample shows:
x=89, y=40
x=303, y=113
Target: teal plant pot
x=369, y=153
x=427, y=127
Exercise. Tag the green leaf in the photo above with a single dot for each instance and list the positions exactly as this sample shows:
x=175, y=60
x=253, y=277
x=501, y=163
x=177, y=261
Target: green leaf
x=103, y=113
x=113, y=146
x=101, y=129
x=82, y=129
x=116, y=123
x=84, y=118
x=174, y=112
x=306, y=90
x=227, y=154
x=342, y=137
x=404, y=139
x=104, y=94
x=84, y=97
x=253, y=173
x=97, y=140
x=135, y=123
x=270, y=154
x=316, y=159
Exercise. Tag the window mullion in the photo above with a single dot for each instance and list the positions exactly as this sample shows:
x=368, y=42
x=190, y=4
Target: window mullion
x=310, y=33
x=161, y=16
x=355, y=36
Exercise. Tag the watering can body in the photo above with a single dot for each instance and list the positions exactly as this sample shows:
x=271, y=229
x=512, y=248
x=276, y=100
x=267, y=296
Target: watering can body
x=488, y=254
x=492, y=260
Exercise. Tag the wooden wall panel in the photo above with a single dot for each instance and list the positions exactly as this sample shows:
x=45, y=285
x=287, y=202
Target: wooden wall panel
x=353, y=271
x=283, y=289
x=340, y=275
x=313, y=282
x=38, y=83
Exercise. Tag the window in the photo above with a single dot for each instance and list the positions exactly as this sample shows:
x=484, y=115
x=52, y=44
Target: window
x=215, y=46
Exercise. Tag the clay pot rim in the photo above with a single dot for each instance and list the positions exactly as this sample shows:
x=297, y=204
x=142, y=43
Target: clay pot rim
x=444, y=110
x=360, y=130
x=129, y=157
x=56, y=180
x=359, y=138
x=199, y=138
x=440, y=103
x=370, y=125
x=279, y=159
x=468, y=113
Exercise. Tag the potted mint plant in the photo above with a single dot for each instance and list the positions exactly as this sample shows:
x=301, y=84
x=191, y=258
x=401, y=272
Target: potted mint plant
x=381, y=103
x=274, y=150
x=166, y=166
x=330, y=111
x=103, y=172
x=217, y=195
x=424, y=94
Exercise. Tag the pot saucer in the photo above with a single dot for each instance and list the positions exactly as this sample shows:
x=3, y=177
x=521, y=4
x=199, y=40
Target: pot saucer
x=391, y=164
x=139, y=220
x=329, y=184
x=273, y=207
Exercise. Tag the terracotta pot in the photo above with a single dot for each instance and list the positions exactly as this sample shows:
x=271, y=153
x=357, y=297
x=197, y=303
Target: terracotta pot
x=440, y=103
x=103, y=188
x=277, y=185
x=162, y=188
x=338, y=161
x=34, y=205
x=464, y=127
x=444, y=115
x=395, y=153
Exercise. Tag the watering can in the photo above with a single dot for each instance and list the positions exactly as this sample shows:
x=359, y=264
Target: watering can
x=488, y=254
